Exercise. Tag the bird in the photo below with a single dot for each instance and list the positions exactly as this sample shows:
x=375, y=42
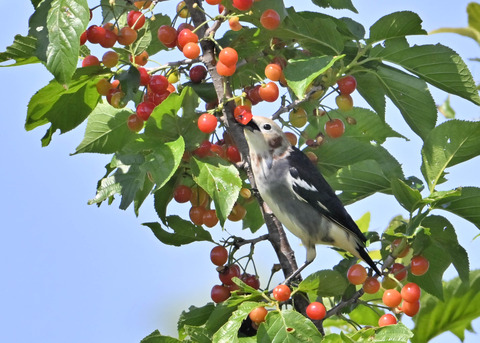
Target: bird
x=298, y=195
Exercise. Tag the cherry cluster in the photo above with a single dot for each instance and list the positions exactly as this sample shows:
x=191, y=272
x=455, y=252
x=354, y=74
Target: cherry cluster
x=405, y=301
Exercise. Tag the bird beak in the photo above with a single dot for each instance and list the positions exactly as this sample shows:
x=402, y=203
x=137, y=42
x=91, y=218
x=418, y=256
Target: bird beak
x=252, y=126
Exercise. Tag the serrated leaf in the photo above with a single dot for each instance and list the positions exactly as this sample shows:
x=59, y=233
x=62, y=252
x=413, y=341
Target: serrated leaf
x=438, y=65
x=398, y=333
x=220, y=180
x=157, y=337
x=129, y=82
x=141, y=195
x=466, y=204
x=184, y=232
x=22, y=51
x=113, y=10
x=408, y=197
x=161, y=199
x=461, y=305
x=450, y=143
x=370, y=88
x=57, y=25
x=106, y=130
x=412, y=97
x=336, y=4
x=300, y=328
x=196, y=316
x=228, y=333
x=393, y=25
x=327, y=283
x=219, y=316
x=300, y=73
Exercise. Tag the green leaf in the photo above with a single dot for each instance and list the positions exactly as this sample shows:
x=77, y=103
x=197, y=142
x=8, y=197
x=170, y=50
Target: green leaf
x=141, y=195
x=184, y=232
x=228, y=333
x=300, y=328
x=408, y=197
x=219, y=316
x=438, y=65
x=57, y=25
x=446, y=109
x=370, y=88
x=300, y=73
x=398, y=24
x=253, y=219
x=463, y=31
x=205, y=90
x=461, y=305
x=398, y=333
x=113, y=12
x=130, y=82
x=162, y=198
x=196, y=316
x=365, y=315
x=157, y=337
x=64, y=108
x=156, y=21
x=450, y=143
x=327, y=283
x=336, y=4
x=106, y=130
x=465, y=205
x=363, y=222
x=412, y=97
x=221, y=181
x=473, y=11
x=22, y=51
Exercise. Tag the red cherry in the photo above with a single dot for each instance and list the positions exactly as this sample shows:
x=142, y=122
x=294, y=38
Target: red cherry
x=207, y=123
x=135, y=19
x=228, y=56
x=253, y=95
x=251, y=280
x=186, y=36
x=203, y=149
x=411, y=292
x=219, y=255
x=95, y=34
x=334, y=128
x=228, y=273
x=398, y=270
x=213, y=2
x=233, y=154
x=191, y=50
x=196, y=214
x=144, y=76
x=167, y=35
x=210, y=218
x=83, y=38
x=316, y=311
x=387, y=319
x=281, y=293
x=243, y=5
x=242, y=114
x=396, y=242
x=270, y=19
x=182, y=194
x=109, y=39
x=198, y=73
x=224, y=70
x=257, y=315
x=220, y=293
x=269, y=92
x=371, y=285
x=391, y=298
x=90, y=60
x=110, y=59
x=357, y=274
x=347, y=84
x=419, y=265
x=273, y=72
x=144, y=110
x=410, y=308
x=134, y=123
x=158, y=84
x=218, y=150
x=127, y=36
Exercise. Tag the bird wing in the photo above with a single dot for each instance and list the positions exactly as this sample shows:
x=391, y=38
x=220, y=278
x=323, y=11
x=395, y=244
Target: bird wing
x=310, y=186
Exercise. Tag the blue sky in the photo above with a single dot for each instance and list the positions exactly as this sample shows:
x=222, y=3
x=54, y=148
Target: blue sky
x=78, y=273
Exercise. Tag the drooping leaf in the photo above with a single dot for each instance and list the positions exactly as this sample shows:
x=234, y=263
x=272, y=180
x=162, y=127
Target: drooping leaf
x=196, y=316
x=184, y=232
x=438, y=65
x=57, y=25
x=393, y=25
x=465, y=205
x=106, y=130
x=450, y=143
x=412, y=97
x=22, y=51
x=455, y=313
x=408, y=197
x=220, y=180
x=300, y=73
x=228, y=333
x=142, y=195
x=326, y=283
x=161, y=198
x=335, y=4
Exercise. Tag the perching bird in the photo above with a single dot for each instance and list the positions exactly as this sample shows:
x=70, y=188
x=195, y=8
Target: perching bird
x=298, y=195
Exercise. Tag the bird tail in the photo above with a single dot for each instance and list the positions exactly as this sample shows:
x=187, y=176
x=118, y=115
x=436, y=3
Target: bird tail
x=364, y=256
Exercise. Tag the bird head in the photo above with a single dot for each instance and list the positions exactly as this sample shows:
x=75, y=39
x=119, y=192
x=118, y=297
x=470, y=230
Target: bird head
x=263, y=135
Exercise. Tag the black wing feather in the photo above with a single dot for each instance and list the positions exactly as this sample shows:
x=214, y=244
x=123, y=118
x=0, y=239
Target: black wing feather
x=304, y=169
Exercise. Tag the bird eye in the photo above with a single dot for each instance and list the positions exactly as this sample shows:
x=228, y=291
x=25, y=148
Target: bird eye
x=267, y=126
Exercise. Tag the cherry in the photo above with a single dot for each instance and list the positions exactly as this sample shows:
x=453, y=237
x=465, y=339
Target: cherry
x=182, y=10
x=410, y=308
x=224, y=70
x=167, y=35
x=142, y=4
x=110, y=59
x=344, y=102
x=95, y=34
x=103, y=86
x=242, y=114
x=273, y=72
x=191, y=50
x=90, y=60
x=186, y=36
x=228, y=273
x=387, y=319
x=234, y=23
x=207, y=123
x=280, y=60
x=253, y=94
x=219, y=293
x=411, y=292
x=203, y=149
x=334, y=128
x=269, y=92
x=270, y=19
x=357, y=274
x=297, y=117
x=144, y=76
x=141, y=59
x=396, y=242
x=419, y=265
x=218, y=150
x=257, y=315
x=127, y=36
x=250, y=280
x=135, y=19
x=233, y=154
x=210, y=218
x=109, y=39
x=228, y=56
x=291, y=138
x=316, y=311
x=245, y=193
x=158, y=84
x=182, y=194
x=83, y=38
x=391, y=298
x=243, y=5
x=347, y=84
x=134, y=123
x=198, y=73
x=219, y=255
x=281, y=293
x=238, y=213
x=221, y=8
x=398, y=270
x=213, y=2
x=199, y=196
x=144, y=110
x=111, y=27
x=371, y=285
x=388, y=282
x=196, y=215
